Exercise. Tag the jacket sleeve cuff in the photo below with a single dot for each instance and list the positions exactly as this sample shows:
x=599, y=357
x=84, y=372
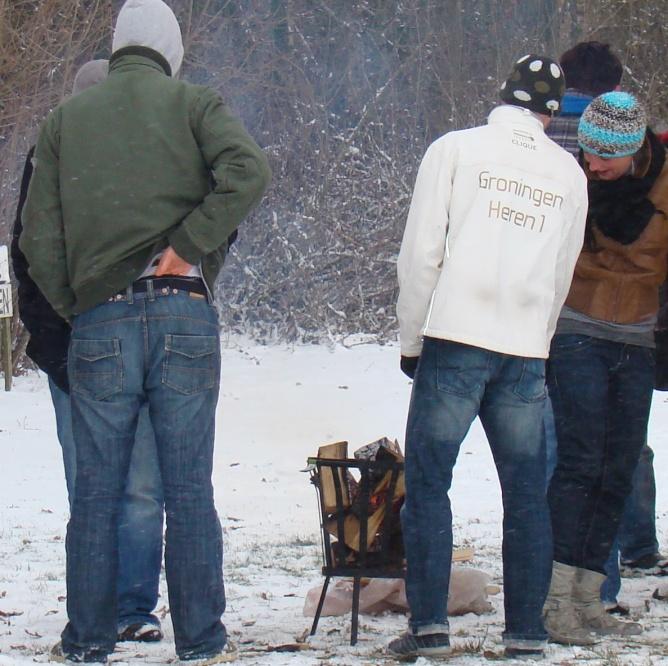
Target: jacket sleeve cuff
x=413, y=348
x=181, y=242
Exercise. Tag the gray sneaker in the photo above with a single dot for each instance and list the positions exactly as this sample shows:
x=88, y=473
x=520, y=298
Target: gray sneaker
x=409, y=645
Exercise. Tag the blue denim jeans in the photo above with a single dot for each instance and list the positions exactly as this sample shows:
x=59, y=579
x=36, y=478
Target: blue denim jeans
x=636, y=536
x=455, y=383
x=550, y=435
x=637, y=531
x=140, y=523
x=161, y=350
x=601, y=393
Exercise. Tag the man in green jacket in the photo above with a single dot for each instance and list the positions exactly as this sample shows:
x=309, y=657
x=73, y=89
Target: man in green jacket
x=138, y=184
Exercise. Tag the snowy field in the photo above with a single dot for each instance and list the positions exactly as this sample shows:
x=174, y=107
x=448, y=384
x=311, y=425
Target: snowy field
x=277, y=405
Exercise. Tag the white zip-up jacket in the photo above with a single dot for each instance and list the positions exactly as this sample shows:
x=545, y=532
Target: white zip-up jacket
x=495, y=227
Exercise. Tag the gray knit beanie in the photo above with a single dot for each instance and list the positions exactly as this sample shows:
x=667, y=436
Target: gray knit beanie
x=94, y=71
x=613, y=125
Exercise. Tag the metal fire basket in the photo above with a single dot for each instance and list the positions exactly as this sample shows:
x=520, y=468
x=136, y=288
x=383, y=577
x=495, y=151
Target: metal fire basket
x=381, y=561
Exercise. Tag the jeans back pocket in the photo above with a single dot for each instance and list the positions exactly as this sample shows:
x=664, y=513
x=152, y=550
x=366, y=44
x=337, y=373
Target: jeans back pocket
x=191, y=363
x=531, y=385
x=460, y=369
x=96, y=368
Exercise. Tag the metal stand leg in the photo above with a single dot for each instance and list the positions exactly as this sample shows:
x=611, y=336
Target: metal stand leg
x=356, y=609
x=320, y=605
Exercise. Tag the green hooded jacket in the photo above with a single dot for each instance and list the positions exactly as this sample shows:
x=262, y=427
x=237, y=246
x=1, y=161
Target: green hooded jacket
x=134, y=164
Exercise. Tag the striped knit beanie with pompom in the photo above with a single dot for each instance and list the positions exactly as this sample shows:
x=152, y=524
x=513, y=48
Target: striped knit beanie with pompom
x=613, y=125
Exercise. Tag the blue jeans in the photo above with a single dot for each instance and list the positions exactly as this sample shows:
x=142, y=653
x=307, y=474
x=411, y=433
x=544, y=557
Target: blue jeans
x=550, y=434
x=161, y=350
x=140, y=523
x=601, y=393
x=455, y=383
x=637, y=532
x=637, y=529
x=636, y=536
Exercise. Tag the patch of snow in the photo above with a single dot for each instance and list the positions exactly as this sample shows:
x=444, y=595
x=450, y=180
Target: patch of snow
x=277, y=405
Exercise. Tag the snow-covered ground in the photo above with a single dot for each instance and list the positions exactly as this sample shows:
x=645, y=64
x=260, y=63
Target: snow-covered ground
x=277, y=405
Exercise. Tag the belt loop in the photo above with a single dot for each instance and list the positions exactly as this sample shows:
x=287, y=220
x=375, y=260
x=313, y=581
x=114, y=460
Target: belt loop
x=209, y=294
x=129, y=293
x=149, y=290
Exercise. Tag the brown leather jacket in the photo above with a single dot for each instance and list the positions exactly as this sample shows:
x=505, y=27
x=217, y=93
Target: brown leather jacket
x=620, y=283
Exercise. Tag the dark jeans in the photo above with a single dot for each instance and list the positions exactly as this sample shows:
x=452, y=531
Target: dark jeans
x=141, y=520
x=636, y=536
x=162, y=350
x=454, y=384
x=601, y=393
x=637, y=531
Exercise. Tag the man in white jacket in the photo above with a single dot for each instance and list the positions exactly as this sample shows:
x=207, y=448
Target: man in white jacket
x=495, y=227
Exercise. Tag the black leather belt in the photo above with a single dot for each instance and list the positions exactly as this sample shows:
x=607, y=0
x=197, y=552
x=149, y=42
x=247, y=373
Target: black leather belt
x=165, y=285
x=192, y=285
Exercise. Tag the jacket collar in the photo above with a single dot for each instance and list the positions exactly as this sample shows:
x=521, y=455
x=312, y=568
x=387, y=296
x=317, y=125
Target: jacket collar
x=507, y=114
x=138, y=55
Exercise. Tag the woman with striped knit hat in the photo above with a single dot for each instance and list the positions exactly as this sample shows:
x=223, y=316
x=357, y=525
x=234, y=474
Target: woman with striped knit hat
x=601, y=367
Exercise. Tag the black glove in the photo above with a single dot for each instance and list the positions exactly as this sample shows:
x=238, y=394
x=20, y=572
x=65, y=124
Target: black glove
x=409, y=365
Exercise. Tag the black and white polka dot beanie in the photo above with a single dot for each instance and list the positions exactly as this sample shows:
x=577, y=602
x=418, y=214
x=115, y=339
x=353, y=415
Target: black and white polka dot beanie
x=536, y=83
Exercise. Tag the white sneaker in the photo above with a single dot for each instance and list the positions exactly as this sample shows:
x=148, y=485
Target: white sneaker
x=140, y=632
